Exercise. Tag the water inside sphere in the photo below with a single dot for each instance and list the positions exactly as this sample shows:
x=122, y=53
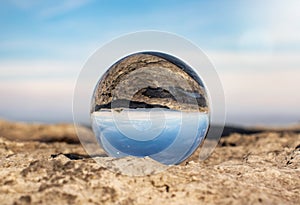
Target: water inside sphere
x=150, y=104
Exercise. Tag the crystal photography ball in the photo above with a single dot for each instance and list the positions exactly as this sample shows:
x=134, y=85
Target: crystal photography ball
x=150, y=104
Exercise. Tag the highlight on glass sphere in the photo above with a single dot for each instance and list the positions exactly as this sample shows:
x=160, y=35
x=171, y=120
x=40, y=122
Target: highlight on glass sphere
x=150, y=104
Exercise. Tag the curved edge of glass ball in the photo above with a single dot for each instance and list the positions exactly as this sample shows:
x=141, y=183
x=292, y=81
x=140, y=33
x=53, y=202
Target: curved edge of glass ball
x=150, y=104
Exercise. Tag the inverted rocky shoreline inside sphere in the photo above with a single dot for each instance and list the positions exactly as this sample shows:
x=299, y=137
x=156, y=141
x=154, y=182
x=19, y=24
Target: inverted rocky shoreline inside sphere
x=146, y=80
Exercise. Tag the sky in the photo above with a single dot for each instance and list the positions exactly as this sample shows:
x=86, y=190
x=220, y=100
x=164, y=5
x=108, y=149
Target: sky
x=254, y=45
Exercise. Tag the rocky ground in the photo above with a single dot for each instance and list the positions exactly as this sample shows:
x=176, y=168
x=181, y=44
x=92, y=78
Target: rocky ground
x=45, y=164
x=150, y=79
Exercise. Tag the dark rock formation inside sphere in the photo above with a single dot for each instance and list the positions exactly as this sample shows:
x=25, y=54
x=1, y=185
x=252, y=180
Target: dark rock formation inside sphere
x=150, y=80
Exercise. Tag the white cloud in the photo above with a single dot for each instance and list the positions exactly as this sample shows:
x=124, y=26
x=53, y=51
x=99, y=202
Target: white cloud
x=260, y=85
x=284, y=21
x=38, y=69
x=272, y=24
x=255, y=61
x=263, y=91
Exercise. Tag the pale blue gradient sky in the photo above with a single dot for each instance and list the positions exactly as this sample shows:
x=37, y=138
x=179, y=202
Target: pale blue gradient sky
x=254, y=45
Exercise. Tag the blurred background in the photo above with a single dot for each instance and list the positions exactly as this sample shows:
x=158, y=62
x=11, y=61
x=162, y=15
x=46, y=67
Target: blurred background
x=254, y=45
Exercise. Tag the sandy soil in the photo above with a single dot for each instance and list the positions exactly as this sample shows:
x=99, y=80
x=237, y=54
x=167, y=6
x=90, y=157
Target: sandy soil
x=43, y=164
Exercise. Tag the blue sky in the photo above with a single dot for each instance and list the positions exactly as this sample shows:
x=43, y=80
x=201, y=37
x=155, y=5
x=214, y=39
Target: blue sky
x=254, y=45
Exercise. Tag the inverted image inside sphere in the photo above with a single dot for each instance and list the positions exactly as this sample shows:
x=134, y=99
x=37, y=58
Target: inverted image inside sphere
x=158, y=89
x=150, y=104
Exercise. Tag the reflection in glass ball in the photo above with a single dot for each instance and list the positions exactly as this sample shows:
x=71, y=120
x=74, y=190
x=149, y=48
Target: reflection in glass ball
x=150, y=104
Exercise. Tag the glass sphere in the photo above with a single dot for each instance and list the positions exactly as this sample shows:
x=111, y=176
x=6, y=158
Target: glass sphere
x=150, y=104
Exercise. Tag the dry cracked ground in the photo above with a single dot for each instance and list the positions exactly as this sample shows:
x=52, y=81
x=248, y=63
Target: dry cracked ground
x=45, y=164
